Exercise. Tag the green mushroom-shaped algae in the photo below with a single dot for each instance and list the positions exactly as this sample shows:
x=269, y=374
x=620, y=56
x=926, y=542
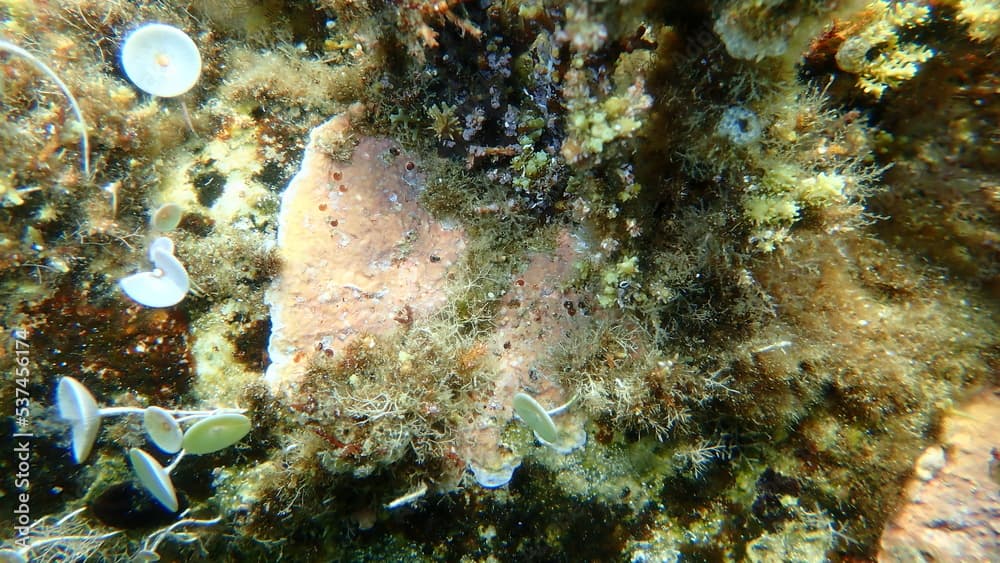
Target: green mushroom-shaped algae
x=536, y=417
x=216, y=432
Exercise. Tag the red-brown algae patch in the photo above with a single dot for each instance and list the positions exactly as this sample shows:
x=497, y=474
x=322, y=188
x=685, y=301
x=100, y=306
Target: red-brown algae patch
x=114, y=344
x=357, y=248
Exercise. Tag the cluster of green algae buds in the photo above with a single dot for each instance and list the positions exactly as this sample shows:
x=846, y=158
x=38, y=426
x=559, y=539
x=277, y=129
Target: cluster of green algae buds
x=775, y=206
x=212, y=431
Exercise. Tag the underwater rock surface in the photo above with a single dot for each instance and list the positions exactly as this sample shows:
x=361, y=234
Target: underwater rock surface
x=952, y=501
x=741, y=258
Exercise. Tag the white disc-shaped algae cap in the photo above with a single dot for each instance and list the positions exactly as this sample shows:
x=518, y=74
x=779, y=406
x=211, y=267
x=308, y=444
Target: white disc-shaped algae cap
x=161, y=244
x=536, y=417
x=163, y=430
x=161, y=60
x=165, y=286
x=493, y=478
x=77, y=406
x=215, y=433
x=154, y=477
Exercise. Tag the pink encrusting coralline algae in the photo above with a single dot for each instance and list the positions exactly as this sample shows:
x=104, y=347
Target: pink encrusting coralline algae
x=356, y=249
x=537, y=313
x=359, y=252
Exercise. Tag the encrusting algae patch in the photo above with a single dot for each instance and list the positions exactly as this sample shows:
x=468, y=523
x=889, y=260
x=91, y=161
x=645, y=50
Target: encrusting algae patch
x=359, y=254
x=538, y=308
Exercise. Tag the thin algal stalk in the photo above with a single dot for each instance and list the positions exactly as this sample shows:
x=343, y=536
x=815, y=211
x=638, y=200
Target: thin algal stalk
x=84, y=141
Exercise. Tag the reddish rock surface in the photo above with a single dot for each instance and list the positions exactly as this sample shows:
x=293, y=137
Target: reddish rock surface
x=953, y=511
